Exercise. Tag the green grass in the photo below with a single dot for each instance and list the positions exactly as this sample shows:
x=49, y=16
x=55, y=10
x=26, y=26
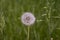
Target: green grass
x=11, y=27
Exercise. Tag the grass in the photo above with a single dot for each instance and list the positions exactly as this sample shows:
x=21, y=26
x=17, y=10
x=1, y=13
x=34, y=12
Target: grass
x=47, y=25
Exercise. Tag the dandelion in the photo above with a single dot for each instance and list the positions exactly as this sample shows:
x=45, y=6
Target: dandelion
x=28, y=18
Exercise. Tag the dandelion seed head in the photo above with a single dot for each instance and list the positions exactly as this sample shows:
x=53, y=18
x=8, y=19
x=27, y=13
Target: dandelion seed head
x=28, y=18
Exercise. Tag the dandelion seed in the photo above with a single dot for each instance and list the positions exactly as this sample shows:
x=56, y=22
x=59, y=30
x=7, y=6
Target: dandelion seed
x=28, y=18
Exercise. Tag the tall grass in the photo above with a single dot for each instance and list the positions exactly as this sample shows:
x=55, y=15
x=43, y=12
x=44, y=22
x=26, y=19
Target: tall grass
x=47, y=13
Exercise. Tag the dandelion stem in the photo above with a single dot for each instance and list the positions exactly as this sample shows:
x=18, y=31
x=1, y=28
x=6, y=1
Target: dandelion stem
x=28, y=33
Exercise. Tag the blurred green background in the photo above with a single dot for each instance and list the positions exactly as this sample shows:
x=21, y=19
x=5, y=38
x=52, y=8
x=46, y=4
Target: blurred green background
x=46, y=27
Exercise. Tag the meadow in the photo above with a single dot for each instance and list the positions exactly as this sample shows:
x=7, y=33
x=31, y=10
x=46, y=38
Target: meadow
x=46, y=26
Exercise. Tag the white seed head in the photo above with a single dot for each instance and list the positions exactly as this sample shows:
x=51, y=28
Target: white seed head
x=28, y=18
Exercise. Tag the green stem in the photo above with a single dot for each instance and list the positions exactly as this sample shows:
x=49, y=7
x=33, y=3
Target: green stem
x=28, y=33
